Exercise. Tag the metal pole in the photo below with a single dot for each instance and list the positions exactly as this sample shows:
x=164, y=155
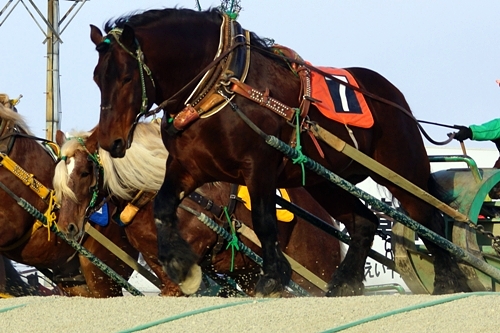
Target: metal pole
x=53, y=104
x=53, y=40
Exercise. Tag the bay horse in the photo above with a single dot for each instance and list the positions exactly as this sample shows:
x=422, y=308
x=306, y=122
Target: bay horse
x=143, y=168
x=195, y=67
x=23, y=240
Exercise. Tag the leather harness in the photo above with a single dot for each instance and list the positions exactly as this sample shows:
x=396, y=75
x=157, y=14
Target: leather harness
x=8, y=130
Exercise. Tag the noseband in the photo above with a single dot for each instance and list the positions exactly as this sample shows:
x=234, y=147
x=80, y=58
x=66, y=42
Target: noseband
x=94, y=189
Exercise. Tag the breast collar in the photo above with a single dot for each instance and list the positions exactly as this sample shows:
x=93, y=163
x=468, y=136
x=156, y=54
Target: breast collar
x=210, y=96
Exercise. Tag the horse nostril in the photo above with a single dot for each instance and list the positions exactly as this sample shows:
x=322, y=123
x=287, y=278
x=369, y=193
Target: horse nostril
x=118, y=148
x=72, y=230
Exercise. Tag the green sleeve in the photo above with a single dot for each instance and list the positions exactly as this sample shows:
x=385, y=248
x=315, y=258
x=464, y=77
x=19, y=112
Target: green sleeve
x=487, y=131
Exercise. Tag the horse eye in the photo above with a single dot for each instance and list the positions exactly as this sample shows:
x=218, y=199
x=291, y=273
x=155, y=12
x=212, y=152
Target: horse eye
x=127, y=79
x=85, y=174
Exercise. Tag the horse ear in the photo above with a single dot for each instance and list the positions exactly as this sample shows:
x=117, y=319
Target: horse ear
x=128, y=36
x=95, y=35
x=60, y=137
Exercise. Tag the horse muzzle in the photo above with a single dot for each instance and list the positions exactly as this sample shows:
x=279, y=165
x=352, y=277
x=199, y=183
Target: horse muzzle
x=73, y=232
x=118, y=148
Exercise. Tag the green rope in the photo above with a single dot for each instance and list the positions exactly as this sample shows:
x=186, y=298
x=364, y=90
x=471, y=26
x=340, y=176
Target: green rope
x=188, y=314
x=12, y=308
x=233, y=243
x=93, y=259
x=407, y=309
x=278, y=51
x=232, y=8
x=198, y=6
x=301, y=159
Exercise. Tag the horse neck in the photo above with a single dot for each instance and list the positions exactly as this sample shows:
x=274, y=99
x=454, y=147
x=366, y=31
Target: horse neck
x=33, y=158
x=174, y=67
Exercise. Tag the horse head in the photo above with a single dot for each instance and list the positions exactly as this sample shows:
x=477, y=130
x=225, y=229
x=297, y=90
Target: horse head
x=130, y=60
x=88, y=173
x=119, y=74
x=77, y=181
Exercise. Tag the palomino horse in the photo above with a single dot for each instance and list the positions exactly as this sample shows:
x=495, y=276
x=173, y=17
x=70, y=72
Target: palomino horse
x=22, y=239
x=143, y=168
x=191, y=64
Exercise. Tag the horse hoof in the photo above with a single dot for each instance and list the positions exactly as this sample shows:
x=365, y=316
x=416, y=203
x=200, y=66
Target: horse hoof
x=192, y=282
x=268, y=287
x=345, y=290
x=445, y=285
x=445, y=290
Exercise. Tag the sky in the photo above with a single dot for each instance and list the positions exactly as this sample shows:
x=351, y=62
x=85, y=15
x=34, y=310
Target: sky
x=443, y=55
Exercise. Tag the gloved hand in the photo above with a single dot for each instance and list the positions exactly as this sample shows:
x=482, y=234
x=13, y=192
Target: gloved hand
x=463, y=133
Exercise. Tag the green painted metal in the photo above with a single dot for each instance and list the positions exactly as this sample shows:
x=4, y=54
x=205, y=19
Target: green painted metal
x=470, y=198
x=459, y=158
x=470, y=195
x=380, y=288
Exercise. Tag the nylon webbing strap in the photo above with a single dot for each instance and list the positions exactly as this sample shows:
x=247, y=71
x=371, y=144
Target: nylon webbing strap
x=27, y=178
x=113, y=248
x=296, y=266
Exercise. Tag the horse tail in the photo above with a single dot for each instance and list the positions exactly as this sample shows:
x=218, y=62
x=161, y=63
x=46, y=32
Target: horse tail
x=440, y=192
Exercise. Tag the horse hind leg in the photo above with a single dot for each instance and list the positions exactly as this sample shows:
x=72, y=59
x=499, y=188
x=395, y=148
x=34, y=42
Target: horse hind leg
x=277, y=270
x=348, y=278
x=449, y=278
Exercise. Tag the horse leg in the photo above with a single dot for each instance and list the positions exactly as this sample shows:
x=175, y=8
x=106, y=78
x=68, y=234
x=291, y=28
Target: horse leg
x=3, y=276
x=74, y=289
x=361, y=224
x=277, y=270
x=141, y=234
x=448, y=276
x=316, y=250
x=176, y=255
x=100, y=284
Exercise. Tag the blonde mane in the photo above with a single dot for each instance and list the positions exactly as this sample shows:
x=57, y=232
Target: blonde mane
x=6, y=113
x=61, y=176
x=142, y=168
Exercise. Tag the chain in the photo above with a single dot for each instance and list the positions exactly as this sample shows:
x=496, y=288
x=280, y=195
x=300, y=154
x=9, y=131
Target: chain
x=389, y=253
x=495, y=240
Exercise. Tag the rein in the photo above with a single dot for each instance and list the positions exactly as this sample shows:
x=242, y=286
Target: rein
x=94, y=189
x=139, y=56
x=362, y=91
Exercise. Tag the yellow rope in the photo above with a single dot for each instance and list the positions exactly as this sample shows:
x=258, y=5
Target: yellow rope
x=3, y=295
x=50, y=215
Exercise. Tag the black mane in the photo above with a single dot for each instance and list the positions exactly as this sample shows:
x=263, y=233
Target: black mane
x=138, y=19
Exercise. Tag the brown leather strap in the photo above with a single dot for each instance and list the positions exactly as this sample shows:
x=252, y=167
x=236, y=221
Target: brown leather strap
x=262, y=98
x=142, y=198
x=205, y=203
x=7, y=128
